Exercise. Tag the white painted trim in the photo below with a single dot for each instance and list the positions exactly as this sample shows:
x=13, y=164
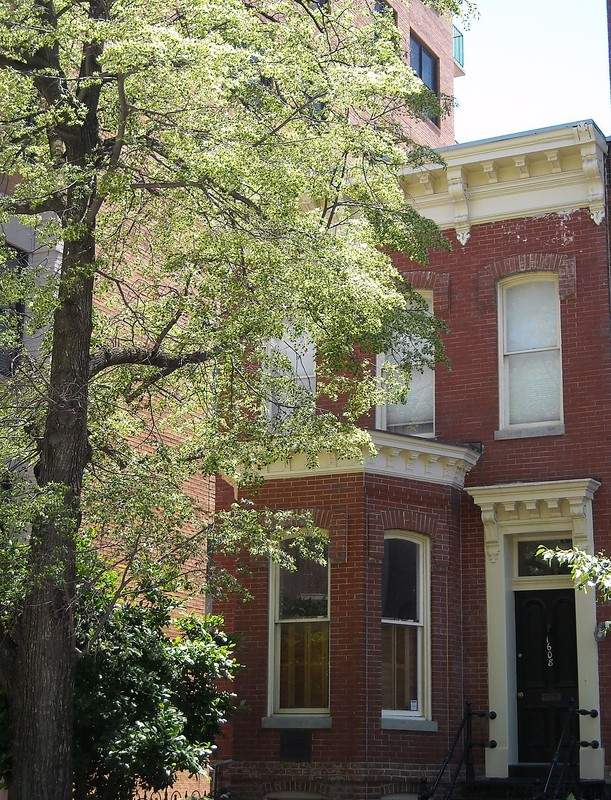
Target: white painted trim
x=424, y=712
x=549, y=508
x=381, y=411
x=412, y=457
x=524, y=429
x=274, y=712
x=552, y=170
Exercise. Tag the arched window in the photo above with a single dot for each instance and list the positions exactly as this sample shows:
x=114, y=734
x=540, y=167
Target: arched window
x=405, y=625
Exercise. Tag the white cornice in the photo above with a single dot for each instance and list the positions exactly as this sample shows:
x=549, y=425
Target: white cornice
x=552, y=170
x=532, y=493
x=408, y=457
x=536, y=507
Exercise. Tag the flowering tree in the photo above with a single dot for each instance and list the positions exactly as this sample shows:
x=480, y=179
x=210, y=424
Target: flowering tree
x=206, y=174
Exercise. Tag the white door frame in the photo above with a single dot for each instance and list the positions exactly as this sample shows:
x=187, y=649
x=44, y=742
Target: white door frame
x=555, y=509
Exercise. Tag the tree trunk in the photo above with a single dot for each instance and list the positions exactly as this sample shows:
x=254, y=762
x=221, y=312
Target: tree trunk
x=42, y=687
x=41, y=698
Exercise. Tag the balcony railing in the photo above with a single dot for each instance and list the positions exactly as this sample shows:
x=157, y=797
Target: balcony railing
x=458, y=41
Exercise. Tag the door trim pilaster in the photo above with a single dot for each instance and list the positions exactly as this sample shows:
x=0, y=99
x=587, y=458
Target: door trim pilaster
x=551, y=508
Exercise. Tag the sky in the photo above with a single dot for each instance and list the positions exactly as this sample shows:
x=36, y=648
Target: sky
x=533, y=64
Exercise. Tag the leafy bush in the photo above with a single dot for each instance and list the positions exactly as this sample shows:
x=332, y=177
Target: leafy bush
x=148, y=704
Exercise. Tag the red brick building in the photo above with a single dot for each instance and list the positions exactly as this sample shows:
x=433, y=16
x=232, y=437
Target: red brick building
x=356, y=674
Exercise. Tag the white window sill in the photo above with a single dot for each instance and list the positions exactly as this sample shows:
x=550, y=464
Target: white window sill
x=553, y=429
x=297, y=721
x=405, y=723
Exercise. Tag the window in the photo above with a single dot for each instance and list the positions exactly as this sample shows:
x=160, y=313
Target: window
x=12, y=315
x=385, y=8
x=426, y=67
x=424, y=63
x=416, y=416
x=530, y=368
x=404, y=626
x=301, y=637
x=528, y=564
x=295, y=377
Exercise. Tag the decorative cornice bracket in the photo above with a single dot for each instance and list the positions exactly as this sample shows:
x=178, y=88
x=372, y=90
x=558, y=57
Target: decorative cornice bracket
x=457, y=190
x=593, y=169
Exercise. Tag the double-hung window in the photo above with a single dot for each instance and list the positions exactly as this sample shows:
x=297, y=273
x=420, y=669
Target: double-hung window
x=301, y=637
x=530, y=356
x=416, y=415
x=294, y=376
x=405, y=626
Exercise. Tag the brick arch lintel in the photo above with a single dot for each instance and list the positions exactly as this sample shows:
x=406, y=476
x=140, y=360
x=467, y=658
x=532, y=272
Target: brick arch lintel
x=335, y=522
x=436, y=282
x=564, y=266
x=294, y=785
x=414, y=521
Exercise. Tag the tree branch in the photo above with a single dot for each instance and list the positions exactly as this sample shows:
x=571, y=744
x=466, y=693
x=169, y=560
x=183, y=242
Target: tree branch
x=33, y=206
x=117, y=356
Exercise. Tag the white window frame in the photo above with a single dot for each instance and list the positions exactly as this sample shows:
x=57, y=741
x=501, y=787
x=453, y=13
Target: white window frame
x=382, y=410
x=300, y=346
x=275, y=624
x=424, y=630
x=538, y=427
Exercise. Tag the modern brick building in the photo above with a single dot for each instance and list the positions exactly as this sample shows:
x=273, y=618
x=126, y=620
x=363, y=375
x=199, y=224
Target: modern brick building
x=356, y=674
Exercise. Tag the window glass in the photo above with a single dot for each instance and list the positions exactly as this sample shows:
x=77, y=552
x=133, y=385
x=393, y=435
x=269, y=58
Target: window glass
x=302, y=357
x=416, y=415
x=531, y=385
x=532, y=316
x=400, y=667
x=531, y=565
x=303, y=592
x=302, y=637
x=403, y=629
x=400, y=580
x=415, y=55
x=424, y=63
x=304, y=665
x=534, y=387
x=295, y=381
x=429, y=69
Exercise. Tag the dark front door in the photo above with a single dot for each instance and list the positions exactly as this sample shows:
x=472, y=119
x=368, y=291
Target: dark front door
x=546, y=669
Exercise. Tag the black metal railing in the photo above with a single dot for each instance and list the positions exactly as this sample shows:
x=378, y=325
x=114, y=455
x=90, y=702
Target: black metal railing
x=464, y=734
x=563, y=774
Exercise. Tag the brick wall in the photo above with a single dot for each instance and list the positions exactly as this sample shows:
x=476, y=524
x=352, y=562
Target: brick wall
x=435, y=32
x=467, y=395
x=356, y=758
x=359, y=510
